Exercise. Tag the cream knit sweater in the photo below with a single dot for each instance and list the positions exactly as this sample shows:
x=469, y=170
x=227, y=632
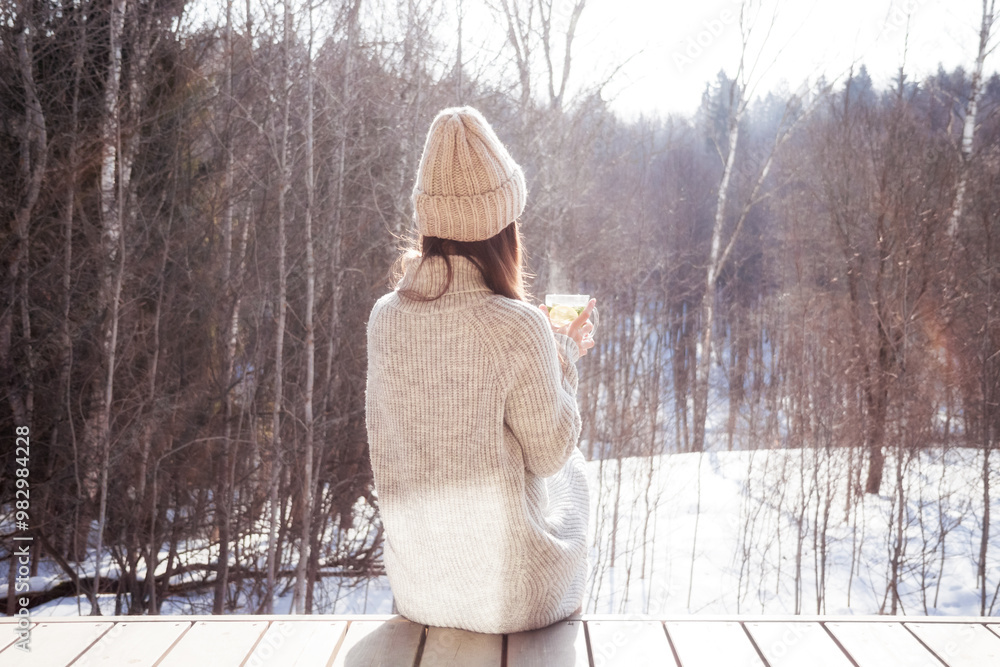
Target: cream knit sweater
x=472, y=427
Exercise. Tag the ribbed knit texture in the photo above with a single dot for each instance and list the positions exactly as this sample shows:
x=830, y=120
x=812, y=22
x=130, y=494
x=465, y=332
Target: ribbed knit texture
x=472, y=427
x=468, y=186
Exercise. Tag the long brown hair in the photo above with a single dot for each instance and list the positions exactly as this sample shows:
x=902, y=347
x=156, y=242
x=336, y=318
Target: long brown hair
x=499, y=258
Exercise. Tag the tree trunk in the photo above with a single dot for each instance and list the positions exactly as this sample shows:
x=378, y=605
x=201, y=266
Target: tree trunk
x=77, y=542
x=969, y=123
x=984, y=538
x=282, y=303
x=704, y=363
x=991, y=426
x=224, y=502
x=112, y=187
x=519, y=32
x=876, y=399
x=305, y=539
x=152, y=547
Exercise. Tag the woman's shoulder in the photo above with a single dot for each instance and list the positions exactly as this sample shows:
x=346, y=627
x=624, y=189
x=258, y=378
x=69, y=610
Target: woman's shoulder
x=518, y=329
x=381, y=306
x=516, y=316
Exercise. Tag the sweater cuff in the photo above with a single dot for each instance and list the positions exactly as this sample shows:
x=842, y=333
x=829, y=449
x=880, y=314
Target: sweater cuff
x=569, y=353
x=568, y=349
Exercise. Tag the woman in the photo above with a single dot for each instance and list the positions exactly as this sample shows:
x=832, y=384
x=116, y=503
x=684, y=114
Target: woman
x=471, y=406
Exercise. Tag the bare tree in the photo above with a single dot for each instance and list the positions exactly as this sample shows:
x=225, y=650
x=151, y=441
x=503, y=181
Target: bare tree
x=80, y=45
x=310, y=342
x=281, y=303
x=113, y=176
x=971, y=108
x=738, y=95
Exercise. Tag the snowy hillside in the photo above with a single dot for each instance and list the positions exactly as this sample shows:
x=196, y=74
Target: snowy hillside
x=773, y=532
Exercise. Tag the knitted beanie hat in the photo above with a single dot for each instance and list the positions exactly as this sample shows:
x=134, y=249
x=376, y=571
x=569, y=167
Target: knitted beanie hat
x=468, y=186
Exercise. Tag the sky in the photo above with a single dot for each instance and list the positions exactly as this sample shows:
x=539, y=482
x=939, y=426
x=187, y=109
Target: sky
x=667, y=50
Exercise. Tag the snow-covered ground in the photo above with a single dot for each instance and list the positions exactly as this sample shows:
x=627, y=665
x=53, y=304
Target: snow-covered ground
x=736, y=532
x=742, y=532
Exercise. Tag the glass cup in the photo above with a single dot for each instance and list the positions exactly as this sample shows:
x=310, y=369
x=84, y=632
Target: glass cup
x=564, y=308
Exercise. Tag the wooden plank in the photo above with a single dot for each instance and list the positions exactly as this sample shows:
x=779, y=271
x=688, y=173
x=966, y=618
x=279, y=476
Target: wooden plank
x=708, y=644
x=562, y=644
x=448, y=647
x=55, y=644
x=133, y=643
x=796, y=643
x=769, y=618
x=7, y=634
x=995, y=627
x=673, y=618
x=629, y=644
x=215, y=643
x=959, y=644
x=306, y=642
x=878, y=644
x=380, y=644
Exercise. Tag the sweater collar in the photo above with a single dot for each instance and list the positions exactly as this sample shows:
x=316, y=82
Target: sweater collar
x=428, y=276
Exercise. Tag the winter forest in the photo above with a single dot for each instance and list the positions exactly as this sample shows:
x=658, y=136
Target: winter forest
x=792, y=407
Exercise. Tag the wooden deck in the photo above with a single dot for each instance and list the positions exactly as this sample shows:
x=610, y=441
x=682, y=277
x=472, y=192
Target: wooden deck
x=585, y=641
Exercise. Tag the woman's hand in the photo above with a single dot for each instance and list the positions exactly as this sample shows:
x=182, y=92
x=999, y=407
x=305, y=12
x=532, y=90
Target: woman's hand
x=579, y=330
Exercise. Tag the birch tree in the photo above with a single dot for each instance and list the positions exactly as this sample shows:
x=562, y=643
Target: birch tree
x=113, y=267
x=233, y=268
x=281, y=302
x=738, y=95
x=971, y=109
x=305, y=537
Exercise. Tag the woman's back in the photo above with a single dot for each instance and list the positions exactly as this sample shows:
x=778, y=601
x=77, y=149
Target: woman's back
x=468, y=407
